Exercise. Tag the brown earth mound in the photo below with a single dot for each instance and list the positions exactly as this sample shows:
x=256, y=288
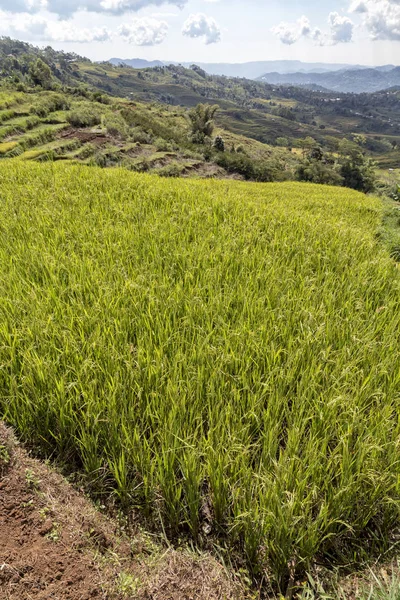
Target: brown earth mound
x=85, y=136
x=55, y=545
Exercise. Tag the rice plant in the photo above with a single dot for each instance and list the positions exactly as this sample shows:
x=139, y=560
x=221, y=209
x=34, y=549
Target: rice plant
x=224, y=354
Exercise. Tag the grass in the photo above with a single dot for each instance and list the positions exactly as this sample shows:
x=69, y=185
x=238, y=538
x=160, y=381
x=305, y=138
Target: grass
x=10, y=98
x=221, y=356
x=7, y=147
x=380, y=582
x=389, y=232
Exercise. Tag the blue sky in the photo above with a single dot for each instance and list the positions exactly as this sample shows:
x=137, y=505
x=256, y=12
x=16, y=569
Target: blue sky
x=354, y=31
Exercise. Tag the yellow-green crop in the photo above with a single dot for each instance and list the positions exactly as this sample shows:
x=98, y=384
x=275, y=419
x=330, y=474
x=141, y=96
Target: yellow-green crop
x=219, y=344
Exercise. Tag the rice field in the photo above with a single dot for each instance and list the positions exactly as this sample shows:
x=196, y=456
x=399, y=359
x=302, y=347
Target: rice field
x=223, y=357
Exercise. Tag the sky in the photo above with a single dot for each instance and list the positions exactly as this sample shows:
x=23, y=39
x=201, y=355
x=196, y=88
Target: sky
x=338, y=31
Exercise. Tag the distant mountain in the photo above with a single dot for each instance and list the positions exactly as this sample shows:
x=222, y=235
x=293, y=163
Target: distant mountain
x=350, y=80
x=385, y=68
x=136, y=63
x=250, y=70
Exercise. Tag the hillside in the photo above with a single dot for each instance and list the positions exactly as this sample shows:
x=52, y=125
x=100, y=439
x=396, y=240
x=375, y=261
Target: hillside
x=275, y=110
x=295, y=112
x=92, y=128
x=221, y=356
x=71, y=122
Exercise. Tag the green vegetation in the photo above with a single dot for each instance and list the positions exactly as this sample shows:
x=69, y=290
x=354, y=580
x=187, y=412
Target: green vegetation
x=380, y=582
x=283, y=119
x=202, y=122
x=84, y=115
x=173, y=142
x=95, y=129
x=221, y=356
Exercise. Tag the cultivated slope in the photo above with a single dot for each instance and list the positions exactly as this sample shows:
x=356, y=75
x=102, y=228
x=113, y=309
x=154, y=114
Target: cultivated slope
x=222, y=356
x=104, y=131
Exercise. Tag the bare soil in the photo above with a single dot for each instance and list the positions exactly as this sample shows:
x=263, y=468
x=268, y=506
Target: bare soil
x=55, y=545
x=85, y=136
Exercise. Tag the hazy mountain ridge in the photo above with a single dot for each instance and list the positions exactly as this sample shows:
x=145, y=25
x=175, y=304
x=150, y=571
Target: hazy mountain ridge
x=248, y=70
x=334, y=77
x=348, y=81
x=137, y=63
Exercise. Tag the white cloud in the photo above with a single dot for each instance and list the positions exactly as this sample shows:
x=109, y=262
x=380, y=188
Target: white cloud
x=144, y=32
x=290, y=33
x=341, y=28
x=201, y=25
x=340, y=31
x=36, y=5
x=66, y=8
x=380, y=17
x=61, y=32
x=164, y=15
x=39, y=29
x=304, y=26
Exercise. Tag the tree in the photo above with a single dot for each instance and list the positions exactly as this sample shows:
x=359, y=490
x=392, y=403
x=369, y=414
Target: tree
x=356, y=169
x=202, y=122
x=358, y=173
x=282, y=141
x=316, y=153
x=316, y=171
x=219, y=144
x=40, y=74
x=359, y=139
x=317, y=167
x=306, y=144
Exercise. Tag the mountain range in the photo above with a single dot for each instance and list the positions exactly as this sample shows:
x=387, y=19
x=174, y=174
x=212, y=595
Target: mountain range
x=344, y=80
x=316, y=76
x=248, y=70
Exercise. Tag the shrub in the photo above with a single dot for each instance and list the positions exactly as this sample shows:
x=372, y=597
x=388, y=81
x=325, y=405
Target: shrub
x=245, y=166
x=202, y=122
x=282, y=141
x=138, y=135
x=50, y=104
x=171, y=170
x=162, y=145
x=116, y=126
x=86, y=151
x=84, y=116
x=101, y=98
x=141, y=166
x=219, y=144
x=318, y=172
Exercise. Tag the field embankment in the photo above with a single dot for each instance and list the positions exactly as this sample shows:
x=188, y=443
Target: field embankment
x=221, y=356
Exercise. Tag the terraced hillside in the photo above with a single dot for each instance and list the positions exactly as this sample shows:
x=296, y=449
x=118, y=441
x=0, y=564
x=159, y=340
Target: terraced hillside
x=220, y=357
x=96, y=129
x=273, y=115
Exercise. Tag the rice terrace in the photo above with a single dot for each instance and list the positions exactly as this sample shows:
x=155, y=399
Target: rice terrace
x=199, y=301
x=221, y=357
